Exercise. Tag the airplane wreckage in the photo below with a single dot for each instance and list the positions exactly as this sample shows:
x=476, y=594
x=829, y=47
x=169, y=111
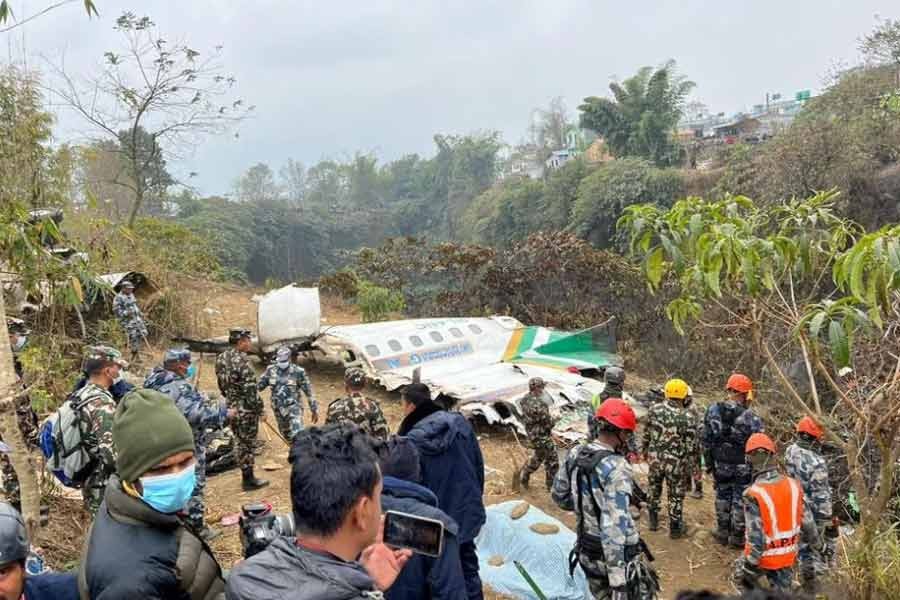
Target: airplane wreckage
x=480, y=365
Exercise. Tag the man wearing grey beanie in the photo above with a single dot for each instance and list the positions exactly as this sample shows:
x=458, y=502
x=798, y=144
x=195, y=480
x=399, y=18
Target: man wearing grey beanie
x=138, y=546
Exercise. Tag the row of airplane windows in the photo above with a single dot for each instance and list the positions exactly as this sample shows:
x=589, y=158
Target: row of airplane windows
x=374, y=351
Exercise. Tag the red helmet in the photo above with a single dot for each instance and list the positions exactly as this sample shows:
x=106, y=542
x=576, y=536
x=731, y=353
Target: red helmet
x=808, y=425
x=739, y=383
x=759, y=441
x=616, y=411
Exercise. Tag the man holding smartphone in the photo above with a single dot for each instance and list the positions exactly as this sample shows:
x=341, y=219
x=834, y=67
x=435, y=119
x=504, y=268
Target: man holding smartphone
x=338, y=553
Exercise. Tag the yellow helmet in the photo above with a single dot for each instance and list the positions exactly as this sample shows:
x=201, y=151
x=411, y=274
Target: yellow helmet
x=676, y=389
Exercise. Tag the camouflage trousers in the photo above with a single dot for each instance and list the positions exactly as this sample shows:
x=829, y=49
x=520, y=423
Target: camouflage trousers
x=672, y=473
x=810, y=560
x=246, y=429
x=730, y=507
x=595, y=573
x=93, y=490
x=544, y=454
x=196, y=507
x=290, y=419
x=136, y=332
x=10, y=481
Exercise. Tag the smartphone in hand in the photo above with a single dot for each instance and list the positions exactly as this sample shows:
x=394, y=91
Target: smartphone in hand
x=419, y=534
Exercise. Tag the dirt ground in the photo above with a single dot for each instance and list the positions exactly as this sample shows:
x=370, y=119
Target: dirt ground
x=693, y=563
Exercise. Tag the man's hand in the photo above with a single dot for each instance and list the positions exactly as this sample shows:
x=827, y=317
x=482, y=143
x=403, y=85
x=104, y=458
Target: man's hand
x=382, y=563
x=231, y=413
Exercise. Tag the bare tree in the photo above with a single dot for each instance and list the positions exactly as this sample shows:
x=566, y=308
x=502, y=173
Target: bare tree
x=293, y=179
x=166, y=93
x=549, y=126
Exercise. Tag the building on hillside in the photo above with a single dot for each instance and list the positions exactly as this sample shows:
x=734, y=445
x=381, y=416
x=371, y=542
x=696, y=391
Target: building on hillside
x=559, y=157
x=738, y=129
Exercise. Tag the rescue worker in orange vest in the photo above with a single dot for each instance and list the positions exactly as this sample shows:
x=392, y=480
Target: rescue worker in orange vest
x=774, y=518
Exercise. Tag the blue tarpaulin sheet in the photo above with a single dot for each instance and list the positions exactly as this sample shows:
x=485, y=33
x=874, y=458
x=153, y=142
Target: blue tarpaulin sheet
x=545, y=557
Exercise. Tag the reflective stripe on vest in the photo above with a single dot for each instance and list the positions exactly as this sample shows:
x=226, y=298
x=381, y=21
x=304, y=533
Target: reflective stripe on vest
x=781, y=509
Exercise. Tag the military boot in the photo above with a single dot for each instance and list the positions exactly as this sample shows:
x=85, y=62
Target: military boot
x=249, y=482
x=736, y=541
x=523, y=479
x=208, y=534
x=678, y=530
x=698, y=490
x=654, y=520
x=721, y=536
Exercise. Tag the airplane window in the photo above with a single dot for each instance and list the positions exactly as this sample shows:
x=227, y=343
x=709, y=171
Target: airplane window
x=456, y=332
x=395, y=345
x=436, y=336
x=416, y=340
x=474, y=328
x=373, y=351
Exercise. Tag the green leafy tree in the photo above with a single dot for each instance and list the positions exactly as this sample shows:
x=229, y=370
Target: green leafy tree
x=807, y=282
x=257, y=185
x=151, y=87
x=641, y=117
x=604, y=195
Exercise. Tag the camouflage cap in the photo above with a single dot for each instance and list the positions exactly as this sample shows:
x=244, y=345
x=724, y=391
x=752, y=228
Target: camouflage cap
x=237, y=333
x=107, y=354
x=17, y=326
x=125, y=285
x=355, y=377
x=283, y=354
x=177, y=355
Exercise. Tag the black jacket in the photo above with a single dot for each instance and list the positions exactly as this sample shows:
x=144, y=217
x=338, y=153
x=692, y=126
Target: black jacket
x=134, y=551
x=286, y=571
x=424, y=577
x=452, y=464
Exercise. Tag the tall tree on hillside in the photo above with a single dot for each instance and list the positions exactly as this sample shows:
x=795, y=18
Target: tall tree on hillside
x=256, y=185
x=882, y=45
x=549, y=126
x=293, y=180
x=172, y=93
x=640, y=120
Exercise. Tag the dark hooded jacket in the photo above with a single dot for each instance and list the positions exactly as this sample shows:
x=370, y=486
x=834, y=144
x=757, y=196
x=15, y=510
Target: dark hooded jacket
x=286, y=571
x=134, y=551
x=452, y=464
x=51, y=586
x=424, y=577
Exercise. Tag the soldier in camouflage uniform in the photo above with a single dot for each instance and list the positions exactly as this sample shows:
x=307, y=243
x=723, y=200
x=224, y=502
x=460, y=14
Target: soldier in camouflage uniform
x=770, y=551
x=669, y=439
x=596, y=483
x=694, y=475
x=538, y=425
x=237, y=382
x=126, y=308
x=726, y=428
x=172, y=379
x=286, y=380
x=358, y=409
x=804, y=462
x=97, y=409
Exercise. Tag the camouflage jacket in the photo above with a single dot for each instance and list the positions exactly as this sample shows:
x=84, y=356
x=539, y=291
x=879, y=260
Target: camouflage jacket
x=726, y=428
x=755, y=534
x=536, y=418
x=285, y=384
x=126, y=308
x=200, y=412
x=97, y=413
x=670, y=433
x=237, y=381
x=611, y=487
x=364, y=412
x=809, y=468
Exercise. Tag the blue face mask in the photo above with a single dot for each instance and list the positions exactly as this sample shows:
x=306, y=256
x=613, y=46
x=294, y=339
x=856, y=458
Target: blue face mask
x=192, y=370
x=169, y=493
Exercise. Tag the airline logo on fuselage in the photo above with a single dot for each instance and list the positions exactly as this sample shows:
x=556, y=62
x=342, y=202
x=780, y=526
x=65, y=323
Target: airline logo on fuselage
x=412, y=359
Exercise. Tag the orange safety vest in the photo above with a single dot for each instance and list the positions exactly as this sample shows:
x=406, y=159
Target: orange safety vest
x=781, y=508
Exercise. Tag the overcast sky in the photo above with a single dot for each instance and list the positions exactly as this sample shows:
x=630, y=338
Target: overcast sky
x=330, y=78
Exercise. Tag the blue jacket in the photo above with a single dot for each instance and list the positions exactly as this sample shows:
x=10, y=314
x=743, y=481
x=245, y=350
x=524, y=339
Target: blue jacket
x=424, y=577
x=51, y=586
x=452, y=464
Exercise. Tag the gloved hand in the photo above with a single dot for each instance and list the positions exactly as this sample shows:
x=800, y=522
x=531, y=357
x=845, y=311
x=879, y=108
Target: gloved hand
x=618, y=593
x=750, y=575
